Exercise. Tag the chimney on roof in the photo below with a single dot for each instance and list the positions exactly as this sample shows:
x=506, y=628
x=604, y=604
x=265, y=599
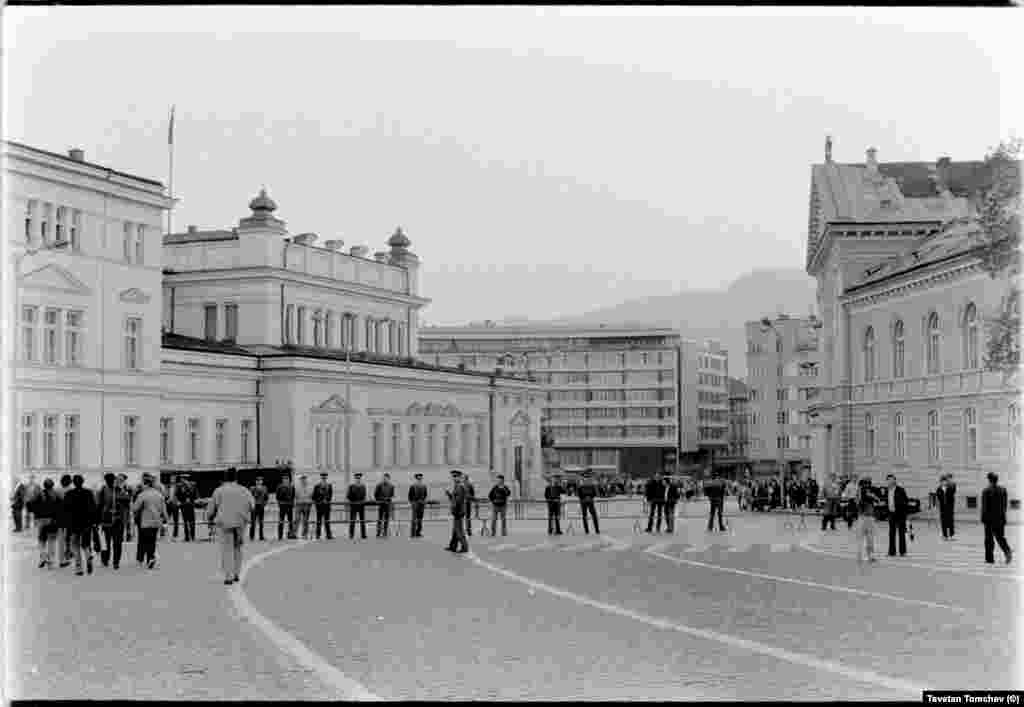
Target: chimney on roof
x=334, y=244
x=77, y=154
x=380, y=256
x=359, y=251
x=192, y=229
x=872, y=162
x=305, y=239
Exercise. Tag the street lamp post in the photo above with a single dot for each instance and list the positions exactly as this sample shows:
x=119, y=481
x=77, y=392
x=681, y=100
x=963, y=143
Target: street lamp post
x=766, y=326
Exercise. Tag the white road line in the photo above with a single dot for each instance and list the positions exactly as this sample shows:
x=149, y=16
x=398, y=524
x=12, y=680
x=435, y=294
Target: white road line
x=808, y=583
x=696, y=548
x=933, y=568
x=659, y=547
x=538, y=546
x=346, y=687
x=808, y=661
x=504, y=546
x=581, y=546
x=783, y=547
x=615, y=544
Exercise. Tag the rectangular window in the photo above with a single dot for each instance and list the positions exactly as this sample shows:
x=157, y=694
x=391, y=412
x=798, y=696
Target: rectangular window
x=431, y=434
x=318, y=447
x=44, y=226
x=140, y=244
x=375, y=444
x=75, y=236
x=61, y=225
x=28, y=425
x=28, y=333
x=210, y=322
x=71, y=441
x=396, y=454
x=900, y=437
x=194, y=441
x=231, y=322
x=166, y=441
x=131, y=441
x=480, y=444
x=318, y=329
x=30, y=215
x=220, y=432
x=413, y=431
x=73, y=320
x=933, y=436
x=51, y=349
x=126, y=250
x=464, y=439
x=132, y=343
x=243, y=441
x=300, y=326
x=50, y=441
x=446, y=444
x=971, y=434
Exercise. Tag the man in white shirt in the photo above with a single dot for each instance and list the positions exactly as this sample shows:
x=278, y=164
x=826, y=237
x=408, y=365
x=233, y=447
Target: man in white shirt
x=231, y=508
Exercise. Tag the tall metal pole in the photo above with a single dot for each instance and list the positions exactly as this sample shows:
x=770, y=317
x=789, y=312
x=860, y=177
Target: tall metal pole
x=348, y=417
x=170, y=172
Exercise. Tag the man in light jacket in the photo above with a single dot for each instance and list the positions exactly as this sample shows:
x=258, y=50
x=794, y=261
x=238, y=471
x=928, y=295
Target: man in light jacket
x=231, y=508
x=151, y=510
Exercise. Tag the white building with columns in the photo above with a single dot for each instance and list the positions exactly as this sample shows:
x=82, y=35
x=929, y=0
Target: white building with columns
x=142, y=351
x=903, y=300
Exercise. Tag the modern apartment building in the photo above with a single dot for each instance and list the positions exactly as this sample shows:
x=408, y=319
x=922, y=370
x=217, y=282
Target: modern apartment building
x=783, y=365
x=737, y=458
x=704, y=403
x=612, y=402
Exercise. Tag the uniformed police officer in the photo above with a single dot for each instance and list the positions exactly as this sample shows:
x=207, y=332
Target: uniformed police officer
x=499, y=505
x=323, y=493
x=259, y=498
x=470, y=502
x=457, y=496
x=553, y=495
x=586, y=492
x=356, y=498
x=383, y=494
x=418, y=504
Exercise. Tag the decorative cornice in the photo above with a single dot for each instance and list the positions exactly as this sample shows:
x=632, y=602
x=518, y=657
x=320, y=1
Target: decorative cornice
x=945, y=275
x=429, y=410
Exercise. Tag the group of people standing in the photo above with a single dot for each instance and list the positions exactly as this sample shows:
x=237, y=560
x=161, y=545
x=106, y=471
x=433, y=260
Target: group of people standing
x=790, y=492
x=586, y=491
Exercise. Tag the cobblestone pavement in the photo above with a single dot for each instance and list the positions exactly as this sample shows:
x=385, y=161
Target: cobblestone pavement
x=411, y=621
x=139, y=634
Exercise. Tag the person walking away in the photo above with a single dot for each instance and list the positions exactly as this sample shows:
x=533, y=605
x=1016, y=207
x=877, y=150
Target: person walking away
x=122, y=480
x=946, y=497
x=849, y=502
x=32, y=492
x=993, y=517
x=417, y=505
x=654, y=493
x=113, y=530
x=671, y=499
x=715, y=492
x=151, y=511
x=186, y=497
x=260, y=496
x=383, y=494
x=303, y=506
x=831, y=510
x=812, y=493
x=470, y=502
x=498, y=497
x=896, y=500
x=457, y=497
x=553, y=496
x=231, y=508
x=80, y=505
x=172, y=506
x=18, y=505
x=356, y=497
x=285, y=495
x=45, y=507
x=865, y=534
x=63, y=535
x=586, y=492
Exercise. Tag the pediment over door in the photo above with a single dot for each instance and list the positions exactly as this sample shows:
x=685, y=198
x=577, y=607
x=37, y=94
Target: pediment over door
x=335, y=403
x=520, y=419
x=53, y=278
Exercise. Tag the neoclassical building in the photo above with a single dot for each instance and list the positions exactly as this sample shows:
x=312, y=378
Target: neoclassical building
x=143, y=351
x=903, y=300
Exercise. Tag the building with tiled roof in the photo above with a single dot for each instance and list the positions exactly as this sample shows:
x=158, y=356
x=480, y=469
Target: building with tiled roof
x=903, y=298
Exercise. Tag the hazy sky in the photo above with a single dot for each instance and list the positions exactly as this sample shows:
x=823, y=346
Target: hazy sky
x=543, y=161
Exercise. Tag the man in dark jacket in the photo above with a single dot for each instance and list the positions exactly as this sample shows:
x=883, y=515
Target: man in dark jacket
x=946, y=497
x=499, y=505
x=470, y=503
x=553, y=495
x=417, y=504
x=81, y=514
x=112, y=501
x=64, y=541
x=356, y=497
x=18, y=505
x=586, y=492
x=185, y=494
x=383, y=494
x=654, y=492
x=45, y=507
x=457, y=497
x=993, y=517
x=260, y=496
x=671, y=499
x=896, y=500
x=172, y=506
x=285, y=497
x=715, y=492
x=323, y=494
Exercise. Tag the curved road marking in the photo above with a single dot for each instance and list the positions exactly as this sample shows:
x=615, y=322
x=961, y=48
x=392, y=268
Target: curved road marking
x=809, y=583
x=934, y=568
x=807, y=661
x=347, y=688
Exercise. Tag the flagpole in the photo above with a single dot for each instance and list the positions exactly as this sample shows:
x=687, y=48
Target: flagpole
x=348, y=415
x=170, y=176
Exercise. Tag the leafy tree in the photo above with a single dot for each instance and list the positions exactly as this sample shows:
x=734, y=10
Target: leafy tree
x=998, y=219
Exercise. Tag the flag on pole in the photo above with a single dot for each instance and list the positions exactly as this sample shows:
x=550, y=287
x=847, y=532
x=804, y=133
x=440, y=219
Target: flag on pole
x=170, y=129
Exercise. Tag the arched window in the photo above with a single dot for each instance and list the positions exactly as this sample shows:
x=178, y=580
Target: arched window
x=933, y=435
x=898, y=349
x=971, y=337
x=932, y=333
x=971, y=435
x=1015, y=429
x=869, y=354
x=869, y=435
x=899, y=436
